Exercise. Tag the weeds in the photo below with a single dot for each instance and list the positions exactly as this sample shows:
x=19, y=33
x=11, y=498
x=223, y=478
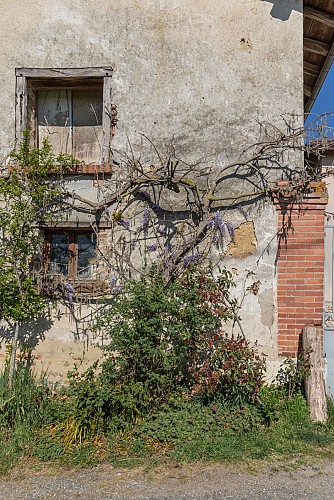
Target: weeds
x=291, y=374
x=178, y=389
x=27, y=403
x=184, y=429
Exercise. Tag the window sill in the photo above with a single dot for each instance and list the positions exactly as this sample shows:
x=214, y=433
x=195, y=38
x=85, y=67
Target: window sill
x=56, y=286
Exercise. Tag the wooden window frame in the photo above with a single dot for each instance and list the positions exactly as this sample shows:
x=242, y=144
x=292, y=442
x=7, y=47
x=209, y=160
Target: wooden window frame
x=72, y=249
x=30, y=79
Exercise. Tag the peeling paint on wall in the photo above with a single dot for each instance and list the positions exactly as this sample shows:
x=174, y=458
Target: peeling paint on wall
x=266, y=301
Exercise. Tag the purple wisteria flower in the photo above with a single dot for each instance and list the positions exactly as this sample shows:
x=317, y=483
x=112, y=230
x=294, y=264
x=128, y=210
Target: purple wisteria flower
x=114, y=288
x=162, y=231
x=218, y=225
x=191, y=260
x=230, y=228
x=70, y=299
x=112, y=282
x=146, y=218
x=70, y=294
x=152, y=248
x=69, y=288
x=125, y=223
x=211, y=223
x=170, y=249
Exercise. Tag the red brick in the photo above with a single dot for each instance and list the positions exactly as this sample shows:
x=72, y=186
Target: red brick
x=299, y=267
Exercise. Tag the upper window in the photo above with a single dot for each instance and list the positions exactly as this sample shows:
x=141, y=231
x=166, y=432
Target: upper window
x=71, y=107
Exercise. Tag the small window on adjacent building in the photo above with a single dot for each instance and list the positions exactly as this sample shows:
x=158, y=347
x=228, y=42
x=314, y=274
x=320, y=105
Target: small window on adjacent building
x=70, y=107
x=71, y=253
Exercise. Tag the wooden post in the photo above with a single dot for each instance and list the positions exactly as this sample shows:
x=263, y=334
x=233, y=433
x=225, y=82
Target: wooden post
x=315, y=382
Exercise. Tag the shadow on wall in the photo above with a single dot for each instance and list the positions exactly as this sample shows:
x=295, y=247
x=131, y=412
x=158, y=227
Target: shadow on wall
x=282, y=9
x=31, y=334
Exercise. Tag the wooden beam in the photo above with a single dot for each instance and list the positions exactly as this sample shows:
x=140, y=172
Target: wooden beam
x=311, y=66
x=319, y=15
x=107, y=120
x=311, y=69
x=307, y=90
x=63, y=72
x=315, y=387
x=20, y=108
x=67, y=83
x=315, y=46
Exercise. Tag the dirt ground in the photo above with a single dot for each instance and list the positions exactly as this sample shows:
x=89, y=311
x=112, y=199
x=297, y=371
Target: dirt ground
x=279, y=481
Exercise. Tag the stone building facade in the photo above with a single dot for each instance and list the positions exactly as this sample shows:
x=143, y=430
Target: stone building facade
x=98, y=78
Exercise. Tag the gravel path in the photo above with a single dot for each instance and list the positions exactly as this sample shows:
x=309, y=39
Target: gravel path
x=183, y=482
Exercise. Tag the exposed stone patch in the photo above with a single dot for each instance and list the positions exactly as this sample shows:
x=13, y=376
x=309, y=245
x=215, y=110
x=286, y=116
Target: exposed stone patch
x=244, y=243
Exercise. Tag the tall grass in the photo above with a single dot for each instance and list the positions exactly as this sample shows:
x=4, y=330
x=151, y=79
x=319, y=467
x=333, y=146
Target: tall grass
x=27, y=403
x=33, y=417
x=24, y=410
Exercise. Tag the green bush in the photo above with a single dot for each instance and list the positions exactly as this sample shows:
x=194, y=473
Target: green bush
x=187, y=420
x=159, y=329
x=292, y=373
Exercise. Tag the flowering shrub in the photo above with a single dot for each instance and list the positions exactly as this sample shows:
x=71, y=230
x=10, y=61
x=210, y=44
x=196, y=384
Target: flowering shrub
x=168, y=335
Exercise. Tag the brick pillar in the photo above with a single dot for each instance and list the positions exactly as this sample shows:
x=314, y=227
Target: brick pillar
x=300, y=267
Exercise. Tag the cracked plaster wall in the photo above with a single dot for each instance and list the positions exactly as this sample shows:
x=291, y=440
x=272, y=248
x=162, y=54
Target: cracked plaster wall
x=259, y=310
x=202, y=72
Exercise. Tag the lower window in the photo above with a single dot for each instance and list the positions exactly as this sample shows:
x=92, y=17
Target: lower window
x=71, y=253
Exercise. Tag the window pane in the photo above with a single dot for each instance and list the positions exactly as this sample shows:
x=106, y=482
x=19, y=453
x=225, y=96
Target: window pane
x=54, y=119
x=87, y=125
x=59, y=254
x=72, y=121
x=86, y=254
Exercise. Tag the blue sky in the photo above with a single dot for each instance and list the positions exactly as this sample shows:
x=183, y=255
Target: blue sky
x=325, y=100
